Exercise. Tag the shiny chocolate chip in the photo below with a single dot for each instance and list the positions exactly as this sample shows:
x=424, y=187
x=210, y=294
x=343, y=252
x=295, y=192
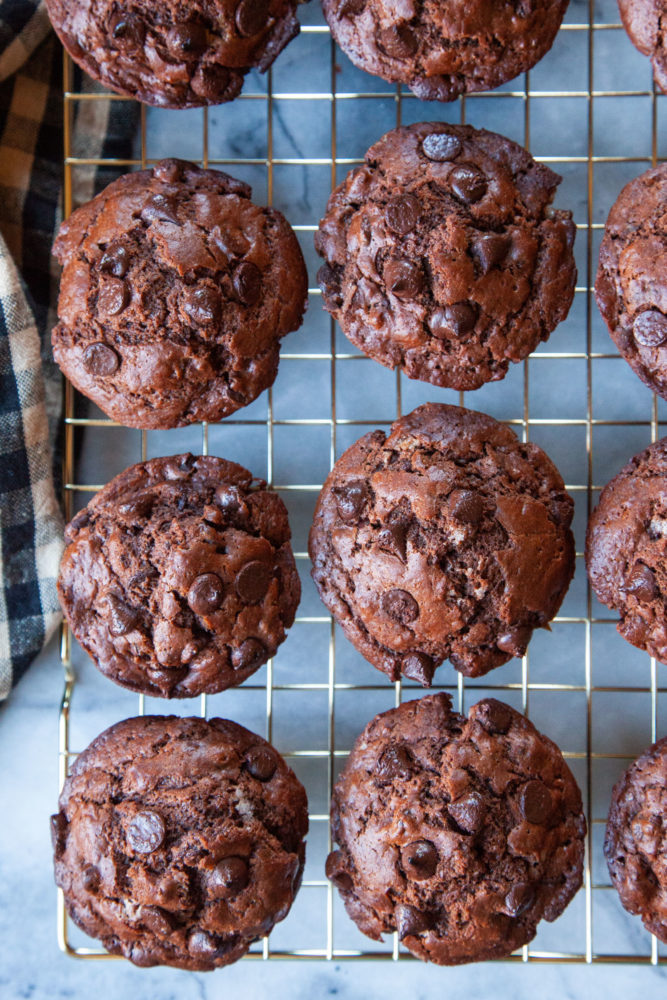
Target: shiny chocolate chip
x=210, y=82
x=468, y=812
x=398, y=41
x=261, y=763
x=253, y=581
x=247, y=283
x=100, y=360
x=146, y=832
x=519, y=899
x=515, y=640
x=203, y=945
x=127, y=29
x=468, y=183
x=206, y=594
x=650, y=328
x=351, y=499
x=350, y=8
x=418, y=667
x=115, y=260
x=228, y=878
x=228, y=498
x=138, y=507
x=403, y=278
x=641, y=583
x=494, y=716
x=249, y=655
x=170, y=171
x=160, y=208
x=466, y=506
x=535, y=802
x=402, y=214
x=251, y=16
x=410, y=921
x=400, y=605
x=90, y=878
x=441, y=147
x=157, y=920
x=202, y=305
x=395, y=761
x=58, y=833
x=491, y=250
x=334, y=869
x=452, y=321
x=187, y=40
x=419, y=859
x=113, y=296
x=393, y=539
x=122, y=618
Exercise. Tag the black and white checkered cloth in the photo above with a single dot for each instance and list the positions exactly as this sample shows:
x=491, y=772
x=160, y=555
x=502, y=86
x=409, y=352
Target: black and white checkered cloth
x=31, y=153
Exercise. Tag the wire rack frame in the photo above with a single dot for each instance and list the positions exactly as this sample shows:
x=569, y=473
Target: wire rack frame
x=333, y=99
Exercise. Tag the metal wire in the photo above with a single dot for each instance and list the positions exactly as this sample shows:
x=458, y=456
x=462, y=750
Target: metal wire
x=586, y=950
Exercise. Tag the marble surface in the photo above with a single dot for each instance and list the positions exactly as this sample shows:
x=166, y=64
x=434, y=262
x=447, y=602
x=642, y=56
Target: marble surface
x=547, y=388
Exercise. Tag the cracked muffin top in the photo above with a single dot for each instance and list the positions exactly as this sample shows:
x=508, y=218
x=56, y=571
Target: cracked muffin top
x=179, y=841
x=448, y=538
x=460, y=834
x=174, y=54
x=443, y=255
x=644, y=22
x=178, y=578
x=443, y=50
x=175, y=293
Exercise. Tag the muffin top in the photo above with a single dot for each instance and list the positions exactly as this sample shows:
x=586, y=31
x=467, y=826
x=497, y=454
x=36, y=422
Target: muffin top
x=176, y=290
x=443, y=256
x=642, y=19
x=447, y=539
x=179, y=841
x=173, y=54
x=461, y=834
x=178, y=577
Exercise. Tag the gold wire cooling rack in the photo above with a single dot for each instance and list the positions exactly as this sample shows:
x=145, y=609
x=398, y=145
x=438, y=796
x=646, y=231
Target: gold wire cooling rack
x=575, y=707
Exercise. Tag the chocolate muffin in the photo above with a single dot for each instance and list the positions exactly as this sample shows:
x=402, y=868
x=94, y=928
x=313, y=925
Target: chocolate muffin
x=179, y=841
x=447, y=539
x=643, y=21
x=178, y=577
x=630, y=286
x=443, y=255
x=443, y=50
x=175, y=293
x=460, y=834
x=626, y=549
x=171, y=54
x=635, y=844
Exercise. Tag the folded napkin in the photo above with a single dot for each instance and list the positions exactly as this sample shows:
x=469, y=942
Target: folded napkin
x=31, y=172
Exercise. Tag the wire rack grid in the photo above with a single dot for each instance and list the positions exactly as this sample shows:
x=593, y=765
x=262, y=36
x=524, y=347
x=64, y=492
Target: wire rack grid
x=567, y=678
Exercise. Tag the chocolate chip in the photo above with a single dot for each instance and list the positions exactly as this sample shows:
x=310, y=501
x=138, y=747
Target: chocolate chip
x=146, y=832
x=138, y=507
x=58, y=832
x=441, y=147
x=491, y=250
x=410, y=921
x=210, y=82
x=350, y=8
x=393, y=539
x=202, y=305
x=329, y=282
x=122, y=618
x=468, y=812
x=453, y=321
x=395, y=761
x=100, y=360
x=251, y=16
x=419, y=859
x=650, y=328
x=249, y=655
x=179, y=467
x=535, y=802
x=170, y=171
x=115, y=260
x=203, y=944
x=398, y=41
x=351, y=499
x=228, y=878
x=515, y=640
x=127, y=29
x=160, y=207
x=261, y=762
x=519, y=899
x=90, y=878
x=253, y=581
x=157, y=920
x=466, y=506
x=641, y=583
x=247, y=282
x=400, y=606
x=206, y=594
x=112, y=297
x=404, y=278
x=187, y=40
x=418, y=667
x=493, y=715
x=402, y=214
x=468, y=183
x=334, y=869
x=228, y=498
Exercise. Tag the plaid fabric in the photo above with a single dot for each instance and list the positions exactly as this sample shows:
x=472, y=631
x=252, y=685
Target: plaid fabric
x=31, y=153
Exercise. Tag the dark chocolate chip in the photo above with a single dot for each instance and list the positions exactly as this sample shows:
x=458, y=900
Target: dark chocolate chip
x=334, y=869
x=90, y=878
x=402, y=213
x=170, y=171
x=160, y=207
x=400, y=606
x=453, y=321
x=441, y=147
x=179, y=467
x=210, y=82
x=146, y=832
x=398, y=41
x=203, y=944
x=404, y=278
x=351, y=499
x=261, y=763
x=100, y=360
x=329, y=281
x=113, y=296
x=466, y=506
x=58, y=832
x=395, y=761
x=350, y=8
x=515, y=640
x=251, y=16
x=519, y=899
x=468, y=183
x=468, y=812
x=206, y=594
x=202, y=305
x=253, y=581
x=157, y=920
x=642, y=583
x=228, y=498
x=122, y=618
x=419, y=859
x=494, y=716
x=127, y=29
x=115, y=260
x=650, y=328
x=138, y=507
x=247, y=282
x=394, y=539
x=418, y=667
x=491, y=250
x=410, y=921
x=228, y=878
x=187, y=40
x=249, y=655
x=535, y=802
